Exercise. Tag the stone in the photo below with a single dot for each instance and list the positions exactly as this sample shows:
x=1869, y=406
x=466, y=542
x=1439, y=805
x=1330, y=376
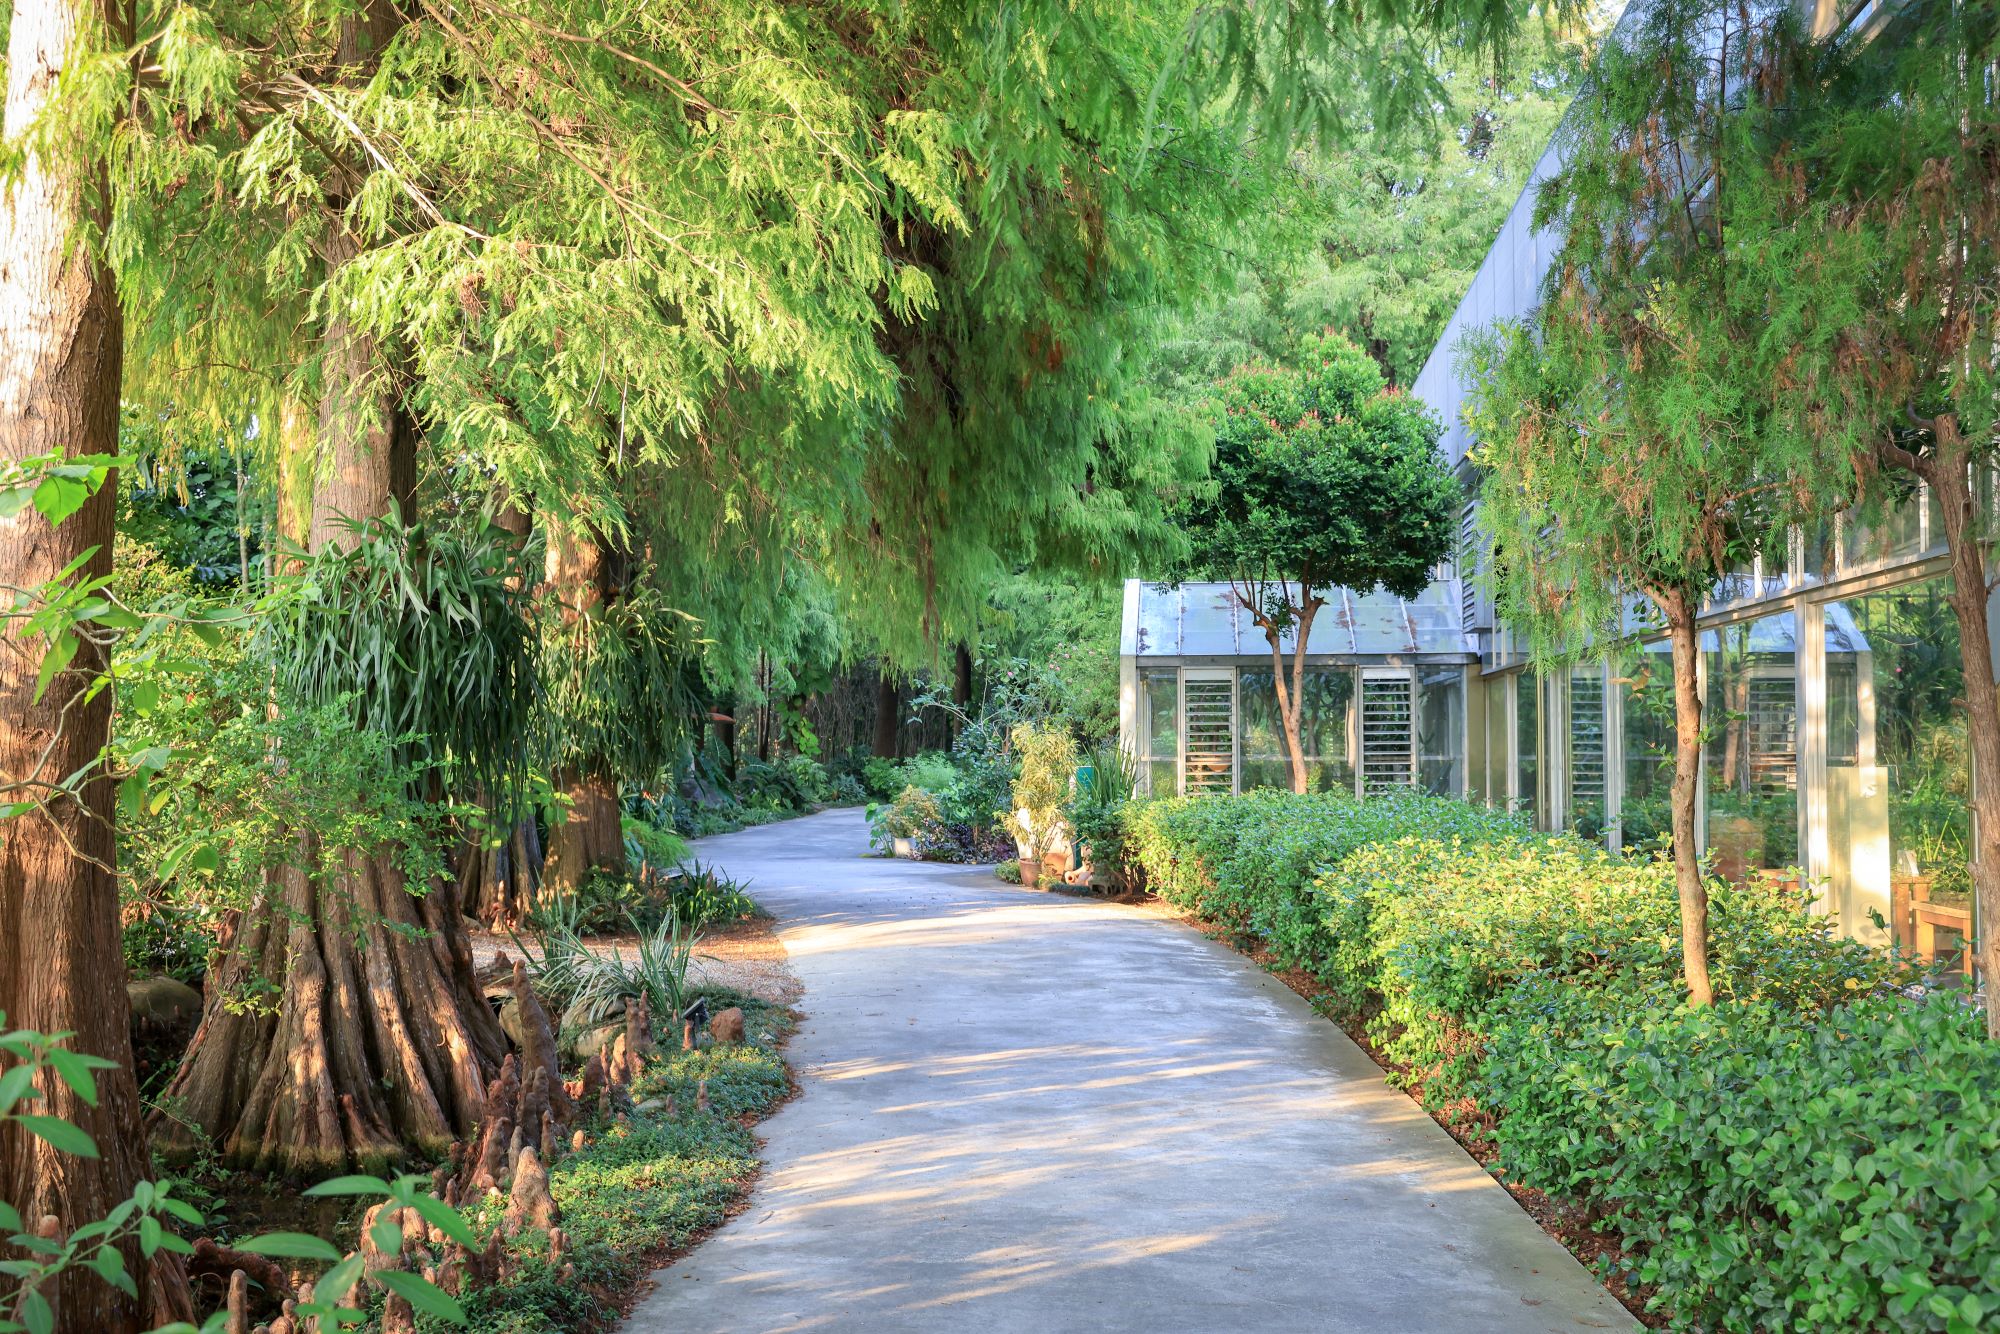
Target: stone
x=727, y=1025
x=163, y=1003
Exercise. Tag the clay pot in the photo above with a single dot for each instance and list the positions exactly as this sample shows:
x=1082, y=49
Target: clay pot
x=1031, y=872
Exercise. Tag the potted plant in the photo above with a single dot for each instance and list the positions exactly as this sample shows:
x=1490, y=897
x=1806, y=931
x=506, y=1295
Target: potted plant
x=1095, y=814
x=907, y=821
x=1047, y=756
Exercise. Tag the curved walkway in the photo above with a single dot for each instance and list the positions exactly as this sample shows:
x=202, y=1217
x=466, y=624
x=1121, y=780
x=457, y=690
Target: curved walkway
x=1030, y=1112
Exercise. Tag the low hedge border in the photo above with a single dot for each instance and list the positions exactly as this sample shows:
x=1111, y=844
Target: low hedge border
x=1814, y=1151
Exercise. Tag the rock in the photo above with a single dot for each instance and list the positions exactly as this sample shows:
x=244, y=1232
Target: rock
x=727, y=1025
x=162, y=1002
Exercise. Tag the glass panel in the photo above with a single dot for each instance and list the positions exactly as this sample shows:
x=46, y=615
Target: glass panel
x=1322, y=727
x=1440, y=728
x=1160, y=692
x=1527, y=739
x=1898, y=532
x=1750, y=717
x=1899, y=775
x=1644, y=816
x=1587, y=722
x=1257, y=713
x=1496, y=738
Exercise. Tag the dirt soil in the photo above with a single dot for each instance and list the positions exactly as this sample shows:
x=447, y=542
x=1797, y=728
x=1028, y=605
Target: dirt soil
x=744, y=956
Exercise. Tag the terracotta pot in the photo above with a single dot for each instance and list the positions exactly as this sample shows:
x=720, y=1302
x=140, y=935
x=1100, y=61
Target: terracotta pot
x=1031, y=872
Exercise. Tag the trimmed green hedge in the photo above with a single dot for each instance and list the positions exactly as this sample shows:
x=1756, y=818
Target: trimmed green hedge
x=1814, y=1151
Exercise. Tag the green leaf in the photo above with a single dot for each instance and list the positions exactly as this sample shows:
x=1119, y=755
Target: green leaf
x=446, y=1220
x=35, y=1313
x=62, y=648
x=17, y=1083
x=350, y=1185
x=291, y=1246
x=422, y=1295
x=61, y=1135
x=56, y=497
x=75, y=1072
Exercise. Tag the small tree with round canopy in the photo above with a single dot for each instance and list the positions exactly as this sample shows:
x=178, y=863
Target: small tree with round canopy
x=1323, y=477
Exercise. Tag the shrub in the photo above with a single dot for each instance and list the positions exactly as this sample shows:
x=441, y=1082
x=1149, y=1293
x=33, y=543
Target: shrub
x=1048, y=761
x=880, y=777
x=1428, y=933
x=1813, y=1152
x=1767, y=1168
x=1249, y=861
x=705, y=896
x=912, y=815
x=1095, y=811
x=1009, y=870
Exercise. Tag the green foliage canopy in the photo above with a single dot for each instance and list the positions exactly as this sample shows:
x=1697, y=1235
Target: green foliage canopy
x=1323, y=477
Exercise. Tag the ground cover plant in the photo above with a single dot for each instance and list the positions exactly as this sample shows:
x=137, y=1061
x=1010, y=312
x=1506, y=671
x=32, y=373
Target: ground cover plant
x=647, y=1185
x=1815, y=1150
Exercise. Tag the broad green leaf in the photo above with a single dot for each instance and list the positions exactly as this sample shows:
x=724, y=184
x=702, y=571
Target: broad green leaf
x=291, y=1246
x=350, y=1185
x=61, y=1135
x=422, y=1295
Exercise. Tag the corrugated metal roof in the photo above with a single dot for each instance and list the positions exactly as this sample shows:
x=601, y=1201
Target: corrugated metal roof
x=1205, y=620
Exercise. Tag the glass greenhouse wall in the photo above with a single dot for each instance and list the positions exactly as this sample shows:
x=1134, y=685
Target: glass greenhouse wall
x=1383, y=699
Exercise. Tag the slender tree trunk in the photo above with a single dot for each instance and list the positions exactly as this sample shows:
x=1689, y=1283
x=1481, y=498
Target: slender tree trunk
x=1679, y=609
x=61, y=960
x=587, y=836
x=381, y=1042
x=1953, y=494
x=888, y=705
x=961, y=682
x=1291, y=692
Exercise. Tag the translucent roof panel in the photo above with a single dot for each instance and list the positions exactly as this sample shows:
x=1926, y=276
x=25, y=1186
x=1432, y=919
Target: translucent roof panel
x=1204, y=620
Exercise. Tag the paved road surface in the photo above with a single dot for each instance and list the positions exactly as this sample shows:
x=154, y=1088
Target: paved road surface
x=1026, y=1112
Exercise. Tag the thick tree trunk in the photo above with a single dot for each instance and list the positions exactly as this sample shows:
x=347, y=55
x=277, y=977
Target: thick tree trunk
x=1680, y=614
x=1953, y=494
x=376, y=1053
x=587, y=835
x=382, y=1042
x=498, y=879
x=61, y=960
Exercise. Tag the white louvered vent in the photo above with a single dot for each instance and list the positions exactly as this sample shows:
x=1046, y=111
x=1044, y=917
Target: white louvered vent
x=1208, y=734
x=1388, y=732
x=1468, y=569
x=1587, y=740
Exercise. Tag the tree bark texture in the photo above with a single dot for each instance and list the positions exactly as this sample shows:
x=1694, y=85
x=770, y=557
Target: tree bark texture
x=61, y=959
x=1679, y=608
x=380, y=1042
x=376, y=1051
x=1952, y=491
x=888, y=715
x=588, y=835
x=498, y=883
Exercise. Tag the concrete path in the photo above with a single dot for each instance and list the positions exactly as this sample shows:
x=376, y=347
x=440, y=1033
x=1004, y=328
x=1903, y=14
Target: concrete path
x=1029, y=1112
